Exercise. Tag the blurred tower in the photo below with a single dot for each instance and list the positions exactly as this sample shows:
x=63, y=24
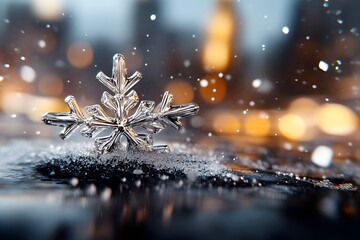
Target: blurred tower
x=221, y=58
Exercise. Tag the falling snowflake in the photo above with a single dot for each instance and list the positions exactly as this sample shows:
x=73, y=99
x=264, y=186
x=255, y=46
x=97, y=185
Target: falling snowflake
x=152, y=119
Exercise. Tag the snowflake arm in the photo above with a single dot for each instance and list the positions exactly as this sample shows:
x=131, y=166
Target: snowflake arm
x=152, y=119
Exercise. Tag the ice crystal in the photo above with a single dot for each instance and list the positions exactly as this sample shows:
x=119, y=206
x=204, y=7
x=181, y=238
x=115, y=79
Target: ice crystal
x=152, y=119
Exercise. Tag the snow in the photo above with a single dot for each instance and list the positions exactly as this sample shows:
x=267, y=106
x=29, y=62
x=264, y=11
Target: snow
x=322, y=156
x=152, y=17
x=256, y=83
x=27, y=73
x=285, y=30
x=323, y=66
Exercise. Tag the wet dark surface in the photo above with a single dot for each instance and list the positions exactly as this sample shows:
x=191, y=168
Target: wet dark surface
x=59, y=193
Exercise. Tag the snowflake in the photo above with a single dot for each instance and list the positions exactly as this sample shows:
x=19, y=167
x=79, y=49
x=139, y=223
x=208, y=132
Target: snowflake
x=152, y=119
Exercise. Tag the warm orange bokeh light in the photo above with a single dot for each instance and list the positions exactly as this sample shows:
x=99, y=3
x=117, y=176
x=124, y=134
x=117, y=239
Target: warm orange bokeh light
x=292, y=126
x=212, y=89
x=337, y=119
x=181, y=90
x=80, y=54
x=48, y=9
x=226, y=123
x=257, y=124
x=218, y=42
x=30, y=105
x=51, y=85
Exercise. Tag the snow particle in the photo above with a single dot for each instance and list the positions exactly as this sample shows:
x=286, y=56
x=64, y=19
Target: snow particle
x=27, y=73
x=322, y=156
x=285, y=30
x=41, y=43
x=323, y=66
x=138, y=172
x=204, y=83
x=187, y=63
x=256, y=83
x=152, y=17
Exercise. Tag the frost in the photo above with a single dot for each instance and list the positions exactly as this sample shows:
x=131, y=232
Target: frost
x=147, y=115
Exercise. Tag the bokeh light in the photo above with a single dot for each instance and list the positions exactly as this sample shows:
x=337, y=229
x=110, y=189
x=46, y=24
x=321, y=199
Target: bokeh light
x=80, y=54
x=257, y=124
x=48, y=9
x=181, y=90
x=51, y=85
x=292, y=126
x=218, y=43
x=212, y=89
x=337, y=119
x=226, y=123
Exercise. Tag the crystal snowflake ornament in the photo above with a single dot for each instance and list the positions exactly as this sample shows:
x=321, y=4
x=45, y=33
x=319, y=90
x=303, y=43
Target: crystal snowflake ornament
x=152, y=119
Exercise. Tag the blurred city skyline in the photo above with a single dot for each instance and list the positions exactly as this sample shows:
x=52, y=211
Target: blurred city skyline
x=246, y=63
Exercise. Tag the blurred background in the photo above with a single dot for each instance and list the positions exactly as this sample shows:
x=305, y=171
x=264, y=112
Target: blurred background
x=266, y=72
x=278, y=84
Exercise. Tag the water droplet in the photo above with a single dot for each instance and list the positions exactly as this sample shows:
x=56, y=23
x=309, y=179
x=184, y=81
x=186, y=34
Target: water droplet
x=6, y=20
x=209, y=134
x=22, y=58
